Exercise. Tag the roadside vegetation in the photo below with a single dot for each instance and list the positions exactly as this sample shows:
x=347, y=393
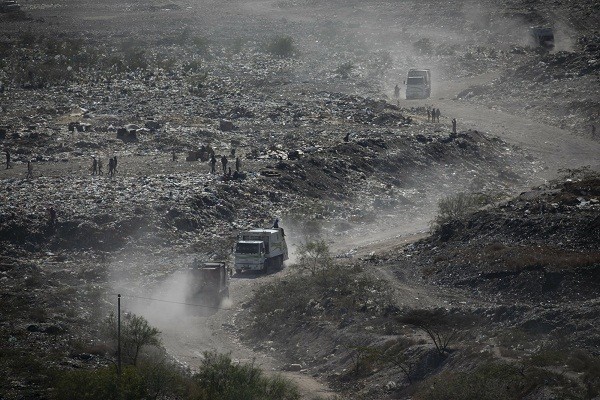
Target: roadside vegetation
x=149, y=373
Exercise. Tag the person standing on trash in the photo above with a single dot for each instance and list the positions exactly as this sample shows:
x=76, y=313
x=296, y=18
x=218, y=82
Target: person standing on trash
x=238, y=163
x=100, y=165
x=51, y=217
x=397, y=94
x=224, y=162
x=8, y=164
x=94, y=166
x=213, y=162
x=437, y=114
x=29, y=169
x=454, y=126
x=276, y=223
x=428, y=114
x=111, y=167
x=174, y=156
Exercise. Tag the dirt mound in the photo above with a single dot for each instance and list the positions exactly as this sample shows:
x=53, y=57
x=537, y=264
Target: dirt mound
x=541, y=245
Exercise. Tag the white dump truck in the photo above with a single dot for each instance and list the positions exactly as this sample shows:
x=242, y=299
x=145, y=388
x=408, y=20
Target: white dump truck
x=418, y=84
x=260, y=250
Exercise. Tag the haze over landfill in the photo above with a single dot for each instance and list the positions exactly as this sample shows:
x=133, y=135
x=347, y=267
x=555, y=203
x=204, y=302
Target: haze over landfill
x=448, y=257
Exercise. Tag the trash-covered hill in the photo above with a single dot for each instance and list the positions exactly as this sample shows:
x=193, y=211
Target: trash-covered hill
x=502, y=302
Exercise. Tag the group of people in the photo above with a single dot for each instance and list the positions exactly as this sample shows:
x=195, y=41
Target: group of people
x=97, y=166
x=224, y=162
x=433, y=114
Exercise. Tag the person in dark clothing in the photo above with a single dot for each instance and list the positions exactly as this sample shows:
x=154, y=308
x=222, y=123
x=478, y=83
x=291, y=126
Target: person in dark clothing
x=437, y=114
x=347, y=137
x=213, y=162
x=51, y=217
x=111, y=167
x=8, y=164
x=224, y=162
x=276, y=223
x=94, y=166
x=29, y=169
x=238, y=164
x=428, y=115
x=454, y=126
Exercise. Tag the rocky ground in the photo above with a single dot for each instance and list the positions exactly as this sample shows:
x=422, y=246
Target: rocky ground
x=144, y=82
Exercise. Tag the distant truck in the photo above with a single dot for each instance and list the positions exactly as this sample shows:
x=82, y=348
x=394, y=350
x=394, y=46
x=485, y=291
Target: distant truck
x=260, y=250
x=542, y=37
x=418, y=84
x=209, y=282
x=8, y=6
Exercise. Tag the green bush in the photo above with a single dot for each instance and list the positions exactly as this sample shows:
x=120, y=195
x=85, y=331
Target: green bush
x=282, y=46
x=314, y=256
x=300, y=297
x=101, y=384
x=136, y=334
x=423, y=45
x=345, y=69
x=493, y=381
x=220, y=379
x=457, y=207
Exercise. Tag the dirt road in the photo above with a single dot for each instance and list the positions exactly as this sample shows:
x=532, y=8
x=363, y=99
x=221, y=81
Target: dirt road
x=556, y=148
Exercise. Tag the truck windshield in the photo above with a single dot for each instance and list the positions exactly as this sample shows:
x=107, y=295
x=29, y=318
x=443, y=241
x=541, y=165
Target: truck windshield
x=414, y=80
x=247, y=248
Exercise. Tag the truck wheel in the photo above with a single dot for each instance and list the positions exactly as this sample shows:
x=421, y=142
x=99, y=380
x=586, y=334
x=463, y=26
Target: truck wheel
x=265, y=268
x=238, y=271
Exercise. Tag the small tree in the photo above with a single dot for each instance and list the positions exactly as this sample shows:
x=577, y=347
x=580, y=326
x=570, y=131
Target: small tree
x=314, y=256
x=136, y=333
x=436, y=324
x=395, y=354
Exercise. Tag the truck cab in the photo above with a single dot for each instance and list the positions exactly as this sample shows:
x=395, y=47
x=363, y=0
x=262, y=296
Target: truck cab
x=418, y=84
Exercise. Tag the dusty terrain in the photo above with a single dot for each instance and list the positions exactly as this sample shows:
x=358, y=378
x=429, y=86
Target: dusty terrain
x=190, y=74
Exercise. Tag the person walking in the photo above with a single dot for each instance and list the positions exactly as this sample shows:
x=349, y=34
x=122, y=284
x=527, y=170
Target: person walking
x=111, y=167
x=100, y=165
x=114, y=164
x=437, y=114
x=428, y=115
